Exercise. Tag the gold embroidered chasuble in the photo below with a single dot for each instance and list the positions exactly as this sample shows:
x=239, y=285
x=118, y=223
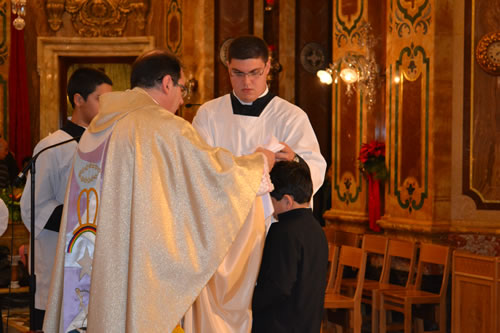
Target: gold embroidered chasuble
x=168, y=211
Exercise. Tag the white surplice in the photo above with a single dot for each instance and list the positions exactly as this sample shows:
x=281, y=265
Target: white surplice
x=220, y=127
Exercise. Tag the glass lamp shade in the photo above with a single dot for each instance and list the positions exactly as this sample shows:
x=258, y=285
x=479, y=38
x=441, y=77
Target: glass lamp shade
x=325, y=76
x=19, y=23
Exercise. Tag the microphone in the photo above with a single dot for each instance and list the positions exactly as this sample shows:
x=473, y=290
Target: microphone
x=190, y=105
x=31, y=166
x=25, y=170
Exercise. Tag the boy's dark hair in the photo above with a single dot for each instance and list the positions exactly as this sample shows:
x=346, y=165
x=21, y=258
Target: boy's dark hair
x=248, y=47
x=291, y=178
x=84, y=81
x=150, y=68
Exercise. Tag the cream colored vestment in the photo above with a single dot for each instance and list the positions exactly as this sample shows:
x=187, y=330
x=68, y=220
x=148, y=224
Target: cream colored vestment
x=169, y=209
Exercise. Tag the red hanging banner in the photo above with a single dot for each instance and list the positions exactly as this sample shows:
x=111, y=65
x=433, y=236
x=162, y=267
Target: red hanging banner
x=19, y=116
x=373, y=202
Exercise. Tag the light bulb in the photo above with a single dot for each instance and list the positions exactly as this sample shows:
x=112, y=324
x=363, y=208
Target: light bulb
x=349, y=75
x=324, y=76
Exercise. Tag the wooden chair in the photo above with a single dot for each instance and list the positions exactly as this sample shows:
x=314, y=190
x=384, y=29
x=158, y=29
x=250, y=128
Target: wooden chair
x=403, y=300
x=372, y=245
x=355, y=258
x=395, y=249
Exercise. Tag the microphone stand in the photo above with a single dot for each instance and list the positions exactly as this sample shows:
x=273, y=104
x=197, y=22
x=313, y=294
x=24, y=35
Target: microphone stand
x=31, y=166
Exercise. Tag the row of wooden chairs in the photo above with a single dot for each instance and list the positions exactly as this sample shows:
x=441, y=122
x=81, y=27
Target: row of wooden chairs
x=381, y=294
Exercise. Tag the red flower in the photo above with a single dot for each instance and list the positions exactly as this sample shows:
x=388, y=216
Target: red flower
x=372, y=158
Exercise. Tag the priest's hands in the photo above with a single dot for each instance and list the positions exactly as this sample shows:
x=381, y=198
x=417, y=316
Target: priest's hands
x=269, y=156
x=285, y=154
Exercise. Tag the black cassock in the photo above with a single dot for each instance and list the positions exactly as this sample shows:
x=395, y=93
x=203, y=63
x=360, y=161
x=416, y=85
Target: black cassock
x=291, y=285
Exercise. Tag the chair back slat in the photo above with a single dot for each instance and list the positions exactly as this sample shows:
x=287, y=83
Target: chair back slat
x=400, y=249
x=347, y=238
x=375, y=244
x=433, y=254
x=350, y=256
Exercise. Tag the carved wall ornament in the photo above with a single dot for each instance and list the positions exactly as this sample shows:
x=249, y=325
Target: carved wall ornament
x=349, y=14
x=94, y=18
x=174, y=27
x=312, y=57
x=55, y=10
x=412, y=14
x=488, y=53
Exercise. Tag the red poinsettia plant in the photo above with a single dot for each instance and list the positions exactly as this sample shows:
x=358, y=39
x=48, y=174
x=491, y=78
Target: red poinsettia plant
x=372, y=158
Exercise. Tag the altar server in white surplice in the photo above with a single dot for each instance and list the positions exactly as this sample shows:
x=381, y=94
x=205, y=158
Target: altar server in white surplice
x=85, y=86
x=248, y=116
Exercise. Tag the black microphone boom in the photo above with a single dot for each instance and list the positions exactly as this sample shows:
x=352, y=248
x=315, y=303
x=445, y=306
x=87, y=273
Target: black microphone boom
x=26, y=168
x=190, y=105
x=32, y=281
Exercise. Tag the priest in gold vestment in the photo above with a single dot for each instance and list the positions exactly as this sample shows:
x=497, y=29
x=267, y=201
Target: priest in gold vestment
x=151, y=212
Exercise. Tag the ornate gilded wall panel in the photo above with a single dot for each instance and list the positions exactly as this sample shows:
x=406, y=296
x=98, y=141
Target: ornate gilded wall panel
x=98, y=18
x=481, y=144
x=348, y=121
x=412, y=121
x=411, y=131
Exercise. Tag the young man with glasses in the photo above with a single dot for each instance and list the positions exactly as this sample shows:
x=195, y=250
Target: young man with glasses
x=248, y=117
x=245, y=118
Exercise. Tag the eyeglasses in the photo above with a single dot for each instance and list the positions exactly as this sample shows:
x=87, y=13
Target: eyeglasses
x=184, y=90
x=251, y=75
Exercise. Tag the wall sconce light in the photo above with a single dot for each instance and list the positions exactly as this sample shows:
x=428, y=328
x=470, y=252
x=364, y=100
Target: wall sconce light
x=192, y=86
x=276, y=67
x=19, y=9
x=356, y=70
x=269, y=5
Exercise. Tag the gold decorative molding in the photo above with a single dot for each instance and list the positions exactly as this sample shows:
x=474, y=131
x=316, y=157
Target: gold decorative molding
x=346, y=216
x=97, y=18
x=51, y=50
x=55, y=10
x=411, y=225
